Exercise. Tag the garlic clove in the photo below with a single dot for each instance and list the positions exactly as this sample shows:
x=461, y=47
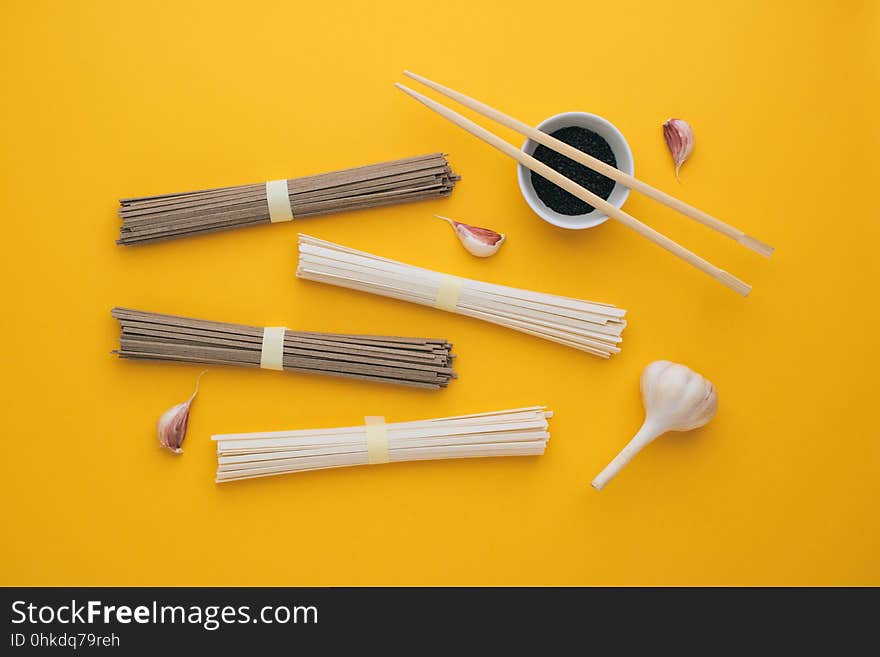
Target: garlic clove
x=676, y=399
x=173, y=422
x=481, y=242
x=679, y=138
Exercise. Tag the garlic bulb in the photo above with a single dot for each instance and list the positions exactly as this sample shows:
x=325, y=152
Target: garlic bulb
x=679, y=138
x=173, y=422
x=676, y=399
x=481, y=242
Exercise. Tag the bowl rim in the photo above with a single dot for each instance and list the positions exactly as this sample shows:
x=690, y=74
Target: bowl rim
x=581, y=221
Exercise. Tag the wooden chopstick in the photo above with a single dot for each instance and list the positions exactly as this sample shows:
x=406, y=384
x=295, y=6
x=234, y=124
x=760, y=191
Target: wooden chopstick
x=582, y=193
x=598, y=165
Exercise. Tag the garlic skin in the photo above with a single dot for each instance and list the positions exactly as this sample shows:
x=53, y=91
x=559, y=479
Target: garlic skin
x=676, y=399
x=173, y=422
x=481, y=242
x=679, y=138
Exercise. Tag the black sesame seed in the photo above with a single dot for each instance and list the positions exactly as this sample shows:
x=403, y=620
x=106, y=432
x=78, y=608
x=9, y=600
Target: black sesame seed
x=558, y=199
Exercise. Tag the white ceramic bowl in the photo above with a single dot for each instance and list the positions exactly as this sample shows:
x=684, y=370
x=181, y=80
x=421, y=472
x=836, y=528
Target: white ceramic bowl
x=622, y=154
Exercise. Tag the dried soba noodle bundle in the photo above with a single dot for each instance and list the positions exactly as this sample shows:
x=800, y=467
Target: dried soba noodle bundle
x=167, y=216
x=419, y=362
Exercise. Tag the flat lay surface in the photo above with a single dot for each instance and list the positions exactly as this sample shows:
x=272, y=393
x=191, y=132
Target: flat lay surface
x=106, y=100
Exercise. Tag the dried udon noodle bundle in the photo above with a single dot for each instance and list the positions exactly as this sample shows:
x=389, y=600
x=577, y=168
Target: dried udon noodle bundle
x=590, y=326
x=515, y=432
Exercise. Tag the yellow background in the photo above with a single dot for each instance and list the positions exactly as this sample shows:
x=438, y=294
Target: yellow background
x=103, y=100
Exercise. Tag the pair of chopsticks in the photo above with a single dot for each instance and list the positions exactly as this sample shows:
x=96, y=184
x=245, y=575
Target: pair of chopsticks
x=584, y=194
